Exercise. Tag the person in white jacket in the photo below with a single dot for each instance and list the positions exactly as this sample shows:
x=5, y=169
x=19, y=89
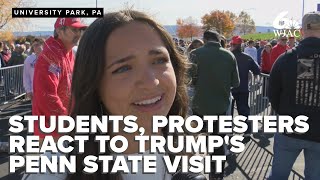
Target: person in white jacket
x=251, y=51
x=28, y=69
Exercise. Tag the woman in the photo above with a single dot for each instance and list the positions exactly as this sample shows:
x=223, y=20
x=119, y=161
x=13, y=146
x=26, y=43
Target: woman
x=126, y=64
x=266, y=64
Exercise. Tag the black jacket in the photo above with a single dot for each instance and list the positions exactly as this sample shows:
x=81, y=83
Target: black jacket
x=245, y=65
x=294, y=85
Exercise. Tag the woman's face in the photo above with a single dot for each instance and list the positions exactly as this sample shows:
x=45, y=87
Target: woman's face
x=139, y=78
x=268, y=48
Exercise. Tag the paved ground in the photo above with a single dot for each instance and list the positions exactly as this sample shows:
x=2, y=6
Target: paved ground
x=6, y=111
x=254, y=163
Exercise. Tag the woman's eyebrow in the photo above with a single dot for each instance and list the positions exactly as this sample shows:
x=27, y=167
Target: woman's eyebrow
x=156, y=51
x=121, y=60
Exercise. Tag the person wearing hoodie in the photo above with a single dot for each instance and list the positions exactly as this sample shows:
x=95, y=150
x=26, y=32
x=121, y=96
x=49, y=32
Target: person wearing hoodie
x=53, y=71
x=293, y=91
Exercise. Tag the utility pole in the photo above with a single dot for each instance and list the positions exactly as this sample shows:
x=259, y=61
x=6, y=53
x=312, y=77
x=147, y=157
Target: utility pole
x=96, y=3
x=302, y=8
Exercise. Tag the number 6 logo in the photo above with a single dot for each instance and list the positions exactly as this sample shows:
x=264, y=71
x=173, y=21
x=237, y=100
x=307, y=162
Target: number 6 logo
x=281, y=21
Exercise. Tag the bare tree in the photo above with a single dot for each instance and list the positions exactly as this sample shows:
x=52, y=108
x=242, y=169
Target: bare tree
x=245, y=24
x=6, y=20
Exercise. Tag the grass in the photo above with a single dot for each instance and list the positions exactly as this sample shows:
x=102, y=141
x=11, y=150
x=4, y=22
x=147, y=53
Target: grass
x=260, y=36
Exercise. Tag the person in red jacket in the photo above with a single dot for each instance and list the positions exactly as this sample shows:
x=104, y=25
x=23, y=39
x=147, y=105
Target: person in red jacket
x=266, y=66
x=266, y=63
x=278, y=49
x=53, y=72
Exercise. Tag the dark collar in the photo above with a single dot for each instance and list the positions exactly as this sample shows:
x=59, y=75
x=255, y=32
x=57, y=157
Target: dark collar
x=212, y=43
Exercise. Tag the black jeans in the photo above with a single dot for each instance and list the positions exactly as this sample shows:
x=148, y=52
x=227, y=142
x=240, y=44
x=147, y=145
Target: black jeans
x=217, y=151
x=242, y=100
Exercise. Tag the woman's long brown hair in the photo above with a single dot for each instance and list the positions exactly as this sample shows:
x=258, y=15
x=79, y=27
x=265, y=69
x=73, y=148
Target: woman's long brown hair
x=89, y=69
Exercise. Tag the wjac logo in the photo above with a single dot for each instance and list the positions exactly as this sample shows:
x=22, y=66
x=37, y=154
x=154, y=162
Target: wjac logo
x=285, y=26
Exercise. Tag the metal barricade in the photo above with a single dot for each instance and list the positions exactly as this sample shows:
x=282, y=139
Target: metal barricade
x=258, y=99
x=11, y=82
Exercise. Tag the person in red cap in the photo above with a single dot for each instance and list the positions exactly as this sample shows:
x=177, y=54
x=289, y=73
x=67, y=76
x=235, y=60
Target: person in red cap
x=241, y=94
x=53, y=72
x=236, y=40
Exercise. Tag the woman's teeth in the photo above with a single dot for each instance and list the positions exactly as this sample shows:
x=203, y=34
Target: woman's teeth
x=148, y=101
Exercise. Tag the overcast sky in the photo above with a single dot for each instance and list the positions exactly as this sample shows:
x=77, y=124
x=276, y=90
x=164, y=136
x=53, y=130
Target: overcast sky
x=263, y=12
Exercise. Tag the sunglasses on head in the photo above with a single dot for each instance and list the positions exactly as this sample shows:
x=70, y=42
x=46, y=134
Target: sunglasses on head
x=76, y=30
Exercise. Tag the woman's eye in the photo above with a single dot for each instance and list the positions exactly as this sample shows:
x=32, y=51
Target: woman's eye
x=160, y=61
x=122, y=69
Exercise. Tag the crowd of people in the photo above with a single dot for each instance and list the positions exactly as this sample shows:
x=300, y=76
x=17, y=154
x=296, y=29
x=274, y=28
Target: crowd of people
x=127, y=64
x=19, y=54
x=259, y=50
x=221, y=72
x=14, y=54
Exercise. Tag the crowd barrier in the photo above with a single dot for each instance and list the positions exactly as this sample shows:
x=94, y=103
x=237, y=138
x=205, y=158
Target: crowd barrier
x=11, y=87
x=258, y=99
x=11, y=83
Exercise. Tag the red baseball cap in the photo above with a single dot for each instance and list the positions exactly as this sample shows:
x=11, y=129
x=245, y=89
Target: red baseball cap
x=73, y=22
x=236, y=40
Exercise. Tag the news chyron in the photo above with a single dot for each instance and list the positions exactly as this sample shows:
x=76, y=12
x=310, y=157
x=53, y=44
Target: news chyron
x=56, y=12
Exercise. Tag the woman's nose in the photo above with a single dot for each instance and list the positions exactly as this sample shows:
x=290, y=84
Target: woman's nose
x=147, y=79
